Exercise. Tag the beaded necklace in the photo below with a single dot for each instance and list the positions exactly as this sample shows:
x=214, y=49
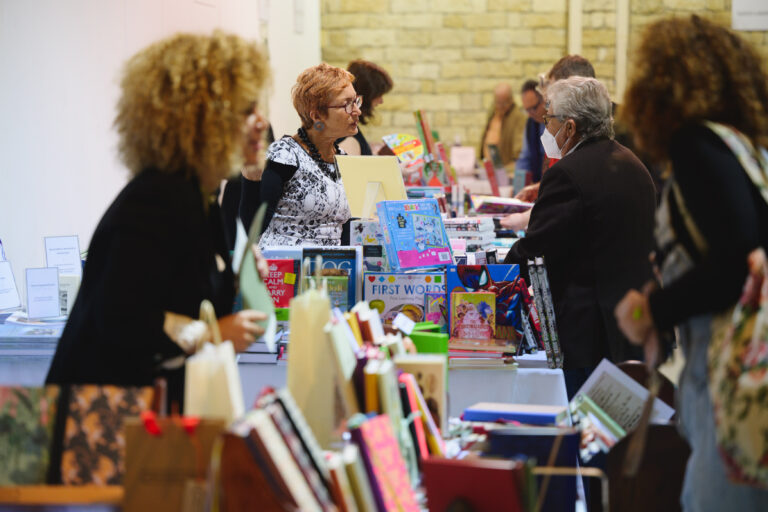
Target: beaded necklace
x=328, y=168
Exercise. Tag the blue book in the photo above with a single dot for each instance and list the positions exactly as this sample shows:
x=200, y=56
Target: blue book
x=503, y=280
x=414, y=234
x=537, y=442
x=340, y=261
x=524, y=413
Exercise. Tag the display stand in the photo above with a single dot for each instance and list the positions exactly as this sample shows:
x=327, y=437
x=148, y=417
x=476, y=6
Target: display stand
x=374, y=192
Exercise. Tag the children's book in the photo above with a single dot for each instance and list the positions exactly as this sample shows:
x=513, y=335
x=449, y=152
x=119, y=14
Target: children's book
x=409, y=150
x=282, y=280
x=399, y=292
x=367, y=233
x=502, y=280
x=492, y=204
x=436, y=309
x=342, y=261
x=473, y=315
x=414, y=234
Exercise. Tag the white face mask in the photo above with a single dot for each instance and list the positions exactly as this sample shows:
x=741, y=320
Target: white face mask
x=549, y=142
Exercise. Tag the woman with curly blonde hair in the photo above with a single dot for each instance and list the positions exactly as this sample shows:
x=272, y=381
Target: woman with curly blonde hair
x=698, y=101
x=160, y=250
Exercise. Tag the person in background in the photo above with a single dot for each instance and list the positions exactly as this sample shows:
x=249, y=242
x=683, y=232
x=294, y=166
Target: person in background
x=160, y=248
x=532, y=156
x=691, y=72
x=567, y=66
x=306, y=202
x=504, y=128
x=592, y=223
x=371, y=82
x=255, y=131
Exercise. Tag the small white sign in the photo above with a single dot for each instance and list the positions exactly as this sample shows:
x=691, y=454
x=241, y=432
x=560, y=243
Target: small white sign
x=9, y=294
x=403, y=323
x=43, y=293
x=63, y=252
x=749, y=15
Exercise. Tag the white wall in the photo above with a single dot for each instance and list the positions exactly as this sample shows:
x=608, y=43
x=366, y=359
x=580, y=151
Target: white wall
x=60, y=63
x=290, y=53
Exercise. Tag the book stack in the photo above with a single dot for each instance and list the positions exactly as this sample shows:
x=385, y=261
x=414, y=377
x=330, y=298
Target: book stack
x=477, y=232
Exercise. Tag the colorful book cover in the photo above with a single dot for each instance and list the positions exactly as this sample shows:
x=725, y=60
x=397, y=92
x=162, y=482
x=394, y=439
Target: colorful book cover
x=410, y=151
x=26, y=432
x=367, y=233
x=502, y=280
x=473, y=315
x=385, y=465
x=94, y=439
x=414, y=234
x=282, y=280
x=346, y=261
x=337, y=288
x=492, y=204
x=399, y=292
x=436, y=309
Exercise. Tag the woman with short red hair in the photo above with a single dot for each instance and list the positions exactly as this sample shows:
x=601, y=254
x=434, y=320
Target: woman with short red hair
x=306, y=202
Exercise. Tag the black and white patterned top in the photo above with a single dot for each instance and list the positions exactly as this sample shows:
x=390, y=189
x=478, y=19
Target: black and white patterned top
x=313, y=206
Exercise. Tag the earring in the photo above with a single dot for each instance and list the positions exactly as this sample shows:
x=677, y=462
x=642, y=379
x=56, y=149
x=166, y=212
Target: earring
x=319, y=126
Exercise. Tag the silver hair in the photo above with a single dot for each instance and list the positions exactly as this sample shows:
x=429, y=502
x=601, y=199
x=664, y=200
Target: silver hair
x=586, y=101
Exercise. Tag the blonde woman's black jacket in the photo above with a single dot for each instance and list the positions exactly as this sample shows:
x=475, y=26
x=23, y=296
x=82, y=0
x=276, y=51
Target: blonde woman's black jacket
x=153, y=251
x=593, y=223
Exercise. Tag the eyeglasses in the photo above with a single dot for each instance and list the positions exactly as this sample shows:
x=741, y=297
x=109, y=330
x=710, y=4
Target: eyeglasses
x=533, y=108
x=350, y=106
x=547, y=117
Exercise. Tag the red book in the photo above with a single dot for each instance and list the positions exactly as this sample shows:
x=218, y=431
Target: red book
x=282, y=281
x=483, y=485
x=418, y=425
x=490, y=171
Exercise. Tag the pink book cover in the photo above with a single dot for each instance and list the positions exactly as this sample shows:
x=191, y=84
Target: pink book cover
x=381, y=456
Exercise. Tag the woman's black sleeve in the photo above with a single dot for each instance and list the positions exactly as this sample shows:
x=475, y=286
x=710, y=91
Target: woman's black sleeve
x=272, y=185
x=269, y=190
x=719, y=197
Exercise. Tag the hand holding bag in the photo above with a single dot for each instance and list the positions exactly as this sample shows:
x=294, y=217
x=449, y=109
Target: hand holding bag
x=212, y=387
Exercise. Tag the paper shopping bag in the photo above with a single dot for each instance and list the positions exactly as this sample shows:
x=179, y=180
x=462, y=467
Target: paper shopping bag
x=165, y=458
x=212, y=387
x=311, y=367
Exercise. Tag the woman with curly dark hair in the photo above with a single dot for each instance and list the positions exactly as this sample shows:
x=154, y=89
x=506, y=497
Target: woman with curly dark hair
x=699, y=101
x=372, y=82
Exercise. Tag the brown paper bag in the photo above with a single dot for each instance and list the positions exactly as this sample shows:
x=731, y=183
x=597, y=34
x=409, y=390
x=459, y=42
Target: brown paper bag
x=164, y=462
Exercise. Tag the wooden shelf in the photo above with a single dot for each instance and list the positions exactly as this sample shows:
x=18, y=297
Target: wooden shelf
x=61, y=495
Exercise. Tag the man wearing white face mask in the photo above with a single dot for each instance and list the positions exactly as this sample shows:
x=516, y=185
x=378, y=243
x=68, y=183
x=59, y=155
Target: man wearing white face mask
x=593, y=223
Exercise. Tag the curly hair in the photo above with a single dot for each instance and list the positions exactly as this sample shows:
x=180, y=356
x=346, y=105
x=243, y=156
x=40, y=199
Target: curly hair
x=316, y=87
x=689, y=70
x=371, y=81
x=184, y=101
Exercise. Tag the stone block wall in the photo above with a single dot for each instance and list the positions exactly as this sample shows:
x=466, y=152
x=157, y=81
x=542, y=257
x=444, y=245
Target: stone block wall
x=446, y=56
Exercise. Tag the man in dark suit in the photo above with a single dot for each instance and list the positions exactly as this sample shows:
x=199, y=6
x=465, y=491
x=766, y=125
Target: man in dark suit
x=592, y=223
